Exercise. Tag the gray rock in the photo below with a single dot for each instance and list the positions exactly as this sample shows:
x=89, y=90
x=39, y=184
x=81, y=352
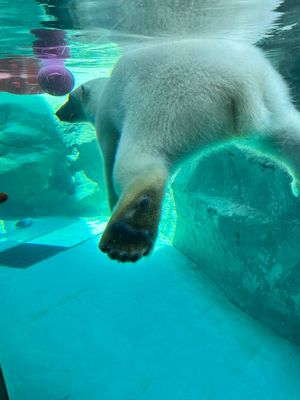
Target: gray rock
x=238, y=219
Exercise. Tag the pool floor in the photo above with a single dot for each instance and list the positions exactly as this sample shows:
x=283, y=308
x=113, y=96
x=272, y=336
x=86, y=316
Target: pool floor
x=78, y=326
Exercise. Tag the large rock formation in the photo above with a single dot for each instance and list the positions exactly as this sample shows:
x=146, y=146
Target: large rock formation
x=45, y=168
x=238, y=219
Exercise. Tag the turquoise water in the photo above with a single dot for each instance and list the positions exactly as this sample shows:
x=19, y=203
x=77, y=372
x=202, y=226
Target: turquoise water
x=214, y=311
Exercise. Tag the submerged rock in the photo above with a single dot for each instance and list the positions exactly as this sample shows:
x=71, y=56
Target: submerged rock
x=238, y=219
x=42, y=172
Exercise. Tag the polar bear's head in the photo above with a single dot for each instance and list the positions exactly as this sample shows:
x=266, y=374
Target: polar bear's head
x=73, y=109
x=82, y=102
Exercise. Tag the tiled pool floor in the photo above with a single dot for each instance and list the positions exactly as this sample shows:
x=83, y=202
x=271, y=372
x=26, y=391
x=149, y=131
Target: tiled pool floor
x=78, y=326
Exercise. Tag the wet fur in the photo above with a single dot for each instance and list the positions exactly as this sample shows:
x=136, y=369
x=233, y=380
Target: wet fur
x=167, y=101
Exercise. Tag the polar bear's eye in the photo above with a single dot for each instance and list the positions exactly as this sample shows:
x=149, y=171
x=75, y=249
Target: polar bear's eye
x=84, y=92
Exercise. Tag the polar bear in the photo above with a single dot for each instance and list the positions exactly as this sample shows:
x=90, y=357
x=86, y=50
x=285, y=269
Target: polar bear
x=163, y=103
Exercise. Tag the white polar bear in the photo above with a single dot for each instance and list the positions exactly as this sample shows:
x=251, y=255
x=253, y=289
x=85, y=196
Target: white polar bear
x=166, y=101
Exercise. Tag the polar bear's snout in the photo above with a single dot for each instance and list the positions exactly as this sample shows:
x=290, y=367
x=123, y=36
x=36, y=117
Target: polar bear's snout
x=71, y=111
x=65, y=113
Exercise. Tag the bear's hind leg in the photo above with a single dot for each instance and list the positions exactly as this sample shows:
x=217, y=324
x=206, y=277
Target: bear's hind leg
x=132, y=229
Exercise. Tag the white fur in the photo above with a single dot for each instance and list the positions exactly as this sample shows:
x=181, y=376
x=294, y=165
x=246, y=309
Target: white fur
x=171, y=99
x=166, y=101
x=89, y=95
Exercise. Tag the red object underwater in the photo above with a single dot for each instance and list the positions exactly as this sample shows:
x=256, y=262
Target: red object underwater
x=3, y=197
x=19, y=75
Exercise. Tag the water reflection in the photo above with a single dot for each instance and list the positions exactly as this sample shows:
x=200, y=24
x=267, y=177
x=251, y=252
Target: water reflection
x=96, y=28
x=244, y=19
x=274, y=24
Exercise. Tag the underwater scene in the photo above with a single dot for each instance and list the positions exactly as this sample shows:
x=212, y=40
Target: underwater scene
x=150, y=200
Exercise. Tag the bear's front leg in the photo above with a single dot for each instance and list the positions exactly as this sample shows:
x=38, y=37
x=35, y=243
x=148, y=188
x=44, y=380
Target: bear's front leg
x=132, y=229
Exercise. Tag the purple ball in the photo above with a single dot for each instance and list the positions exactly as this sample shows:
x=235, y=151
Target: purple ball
x=56, y=80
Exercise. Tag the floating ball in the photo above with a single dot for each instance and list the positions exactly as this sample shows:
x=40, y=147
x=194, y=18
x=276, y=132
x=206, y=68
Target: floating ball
x=56, y=80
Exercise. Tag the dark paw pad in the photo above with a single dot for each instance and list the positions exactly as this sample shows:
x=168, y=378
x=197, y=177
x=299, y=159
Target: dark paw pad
x=125, y=243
